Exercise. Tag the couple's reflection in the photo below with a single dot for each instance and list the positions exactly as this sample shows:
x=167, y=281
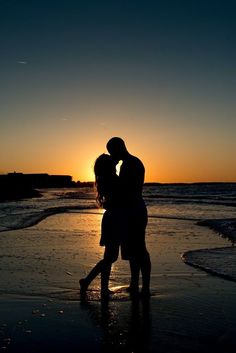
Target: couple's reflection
x=125, y=325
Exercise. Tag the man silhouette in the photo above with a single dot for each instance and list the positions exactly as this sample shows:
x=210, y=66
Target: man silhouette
x=134, y=216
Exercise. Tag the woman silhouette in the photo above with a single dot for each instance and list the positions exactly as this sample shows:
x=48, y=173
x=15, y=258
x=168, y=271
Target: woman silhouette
x=108, y=197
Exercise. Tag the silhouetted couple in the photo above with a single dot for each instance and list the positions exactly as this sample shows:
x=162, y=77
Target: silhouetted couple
x=124, y=220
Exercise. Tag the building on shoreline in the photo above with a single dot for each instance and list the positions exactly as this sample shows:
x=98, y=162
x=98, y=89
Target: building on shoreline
x=43, y=180
x=18, y=185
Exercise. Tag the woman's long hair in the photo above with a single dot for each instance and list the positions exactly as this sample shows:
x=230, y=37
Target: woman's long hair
x=104, y=170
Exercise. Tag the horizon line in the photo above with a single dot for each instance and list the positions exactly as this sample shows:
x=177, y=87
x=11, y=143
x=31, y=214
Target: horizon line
x=146, y=182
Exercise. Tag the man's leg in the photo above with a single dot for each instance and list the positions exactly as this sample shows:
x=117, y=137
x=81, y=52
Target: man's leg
x=140, y=261
x=146, y=272
x=134, y=270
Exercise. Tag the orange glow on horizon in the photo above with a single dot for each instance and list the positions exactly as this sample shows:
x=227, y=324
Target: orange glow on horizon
x=170, y=154
x=162, y=169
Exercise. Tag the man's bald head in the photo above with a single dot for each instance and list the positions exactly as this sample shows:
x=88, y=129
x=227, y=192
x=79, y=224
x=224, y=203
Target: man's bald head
x=116, y=147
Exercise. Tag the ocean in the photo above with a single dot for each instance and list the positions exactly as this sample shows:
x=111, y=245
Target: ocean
x=212, y=205
x=47, y=244
x=200, y=201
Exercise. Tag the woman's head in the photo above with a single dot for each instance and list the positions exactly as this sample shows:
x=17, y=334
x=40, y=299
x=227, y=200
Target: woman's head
x=104, y=166
x=104, y=170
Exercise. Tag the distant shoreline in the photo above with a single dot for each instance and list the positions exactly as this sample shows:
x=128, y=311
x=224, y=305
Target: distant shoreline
x=191, y=183
x=61, y=180
x=18, y=186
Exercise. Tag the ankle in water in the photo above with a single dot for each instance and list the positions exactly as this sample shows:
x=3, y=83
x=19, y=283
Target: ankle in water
x=83, y=285
x=145, y=293
x=132, y=289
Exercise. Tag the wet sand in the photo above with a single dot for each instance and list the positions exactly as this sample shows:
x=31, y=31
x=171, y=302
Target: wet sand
x=41, y=310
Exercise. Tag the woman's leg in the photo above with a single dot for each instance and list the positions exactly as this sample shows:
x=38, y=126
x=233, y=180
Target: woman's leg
x=85, y=282
x=103, y=267
x=105, y=276
x=110, y=256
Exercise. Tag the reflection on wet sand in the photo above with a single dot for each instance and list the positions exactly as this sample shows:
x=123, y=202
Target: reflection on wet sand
x=126, y=331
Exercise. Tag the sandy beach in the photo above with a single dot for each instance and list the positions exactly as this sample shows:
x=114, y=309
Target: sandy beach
x=189, y=310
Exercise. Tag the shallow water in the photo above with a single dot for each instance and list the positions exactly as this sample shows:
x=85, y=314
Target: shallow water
x=50, y=257
x=172, y=201
x=189, y=310
x=214, y=203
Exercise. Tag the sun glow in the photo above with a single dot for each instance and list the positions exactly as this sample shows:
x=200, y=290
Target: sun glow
x=84, y=172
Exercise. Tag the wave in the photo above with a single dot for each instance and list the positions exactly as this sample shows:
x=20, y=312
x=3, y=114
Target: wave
x=180, y=218
x=78, y=195
x=220, y=262
x=226, y=227
x=29, y=219
x=13, y=222
x=191, y=196
x=221, y=201
x=22, y=220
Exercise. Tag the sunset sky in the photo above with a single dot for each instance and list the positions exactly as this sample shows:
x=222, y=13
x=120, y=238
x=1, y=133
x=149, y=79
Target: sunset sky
x=159, y=74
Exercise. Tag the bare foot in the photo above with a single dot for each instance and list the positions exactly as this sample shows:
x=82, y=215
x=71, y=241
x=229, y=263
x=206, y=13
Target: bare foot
x=133, y=290
x=145, y=293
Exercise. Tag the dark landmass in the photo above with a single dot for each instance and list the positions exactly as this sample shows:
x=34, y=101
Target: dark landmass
x=38, y=181
x=15, y=186
x=17, y=192
x=85, y=184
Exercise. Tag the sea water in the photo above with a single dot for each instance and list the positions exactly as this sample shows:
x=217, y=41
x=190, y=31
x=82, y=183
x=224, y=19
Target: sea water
x=190, y=205
x=201, y=201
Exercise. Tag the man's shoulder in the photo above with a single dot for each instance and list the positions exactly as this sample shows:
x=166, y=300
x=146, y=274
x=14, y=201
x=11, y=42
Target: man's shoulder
x=134, y=162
